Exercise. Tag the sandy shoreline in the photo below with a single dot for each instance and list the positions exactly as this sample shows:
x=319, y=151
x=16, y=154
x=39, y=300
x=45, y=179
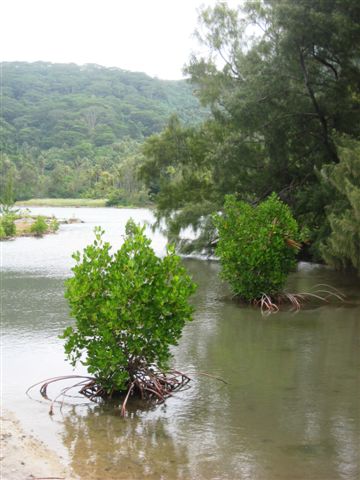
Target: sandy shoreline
x=23, y=457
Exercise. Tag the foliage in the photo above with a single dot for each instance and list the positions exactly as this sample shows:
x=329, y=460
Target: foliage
x=130, y=307
x=7, y=197
x=257, y=246
x=50, y=105
x=119, y=198
x=277, y=100
x=342, y=247
x=175, y=163
x=71, y=131
x=8, y=225
x=39, y=227
x=2, y=231
x=53, y=224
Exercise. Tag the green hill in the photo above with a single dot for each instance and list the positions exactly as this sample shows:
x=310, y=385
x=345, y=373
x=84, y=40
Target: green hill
x=67, y=130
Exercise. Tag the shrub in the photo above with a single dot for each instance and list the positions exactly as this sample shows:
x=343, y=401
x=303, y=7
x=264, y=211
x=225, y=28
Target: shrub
x=8, y=225
x=54, y=224
x=2, y=231
x=257, y=246
x=129, y=307
x=117, y=198
x=39, y=227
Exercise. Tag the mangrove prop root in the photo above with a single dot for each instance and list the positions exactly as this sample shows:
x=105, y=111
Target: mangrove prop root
x=148, y=383
x=155, y=385
x=321, y=292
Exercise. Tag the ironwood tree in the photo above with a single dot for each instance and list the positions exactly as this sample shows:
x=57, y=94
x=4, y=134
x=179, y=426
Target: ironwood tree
x=278, y=94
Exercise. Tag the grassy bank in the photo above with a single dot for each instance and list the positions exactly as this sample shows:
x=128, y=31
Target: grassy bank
x=63, y=202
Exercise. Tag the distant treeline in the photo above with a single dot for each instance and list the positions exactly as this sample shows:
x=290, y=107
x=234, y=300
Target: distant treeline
x=69, y=130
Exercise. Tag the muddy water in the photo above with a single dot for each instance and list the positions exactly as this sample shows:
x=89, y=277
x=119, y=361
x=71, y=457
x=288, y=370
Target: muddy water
x=290, y=408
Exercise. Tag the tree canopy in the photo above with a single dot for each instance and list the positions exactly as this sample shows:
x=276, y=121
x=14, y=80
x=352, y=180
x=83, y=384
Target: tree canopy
x=68, y=131
x=282, y=82
x=342, y=247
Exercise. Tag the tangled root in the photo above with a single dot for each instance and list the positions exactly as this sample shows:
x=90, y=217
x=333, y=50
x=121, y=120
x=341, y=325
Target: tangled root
x=155, y=385
x=148, y=383
x=320, y=292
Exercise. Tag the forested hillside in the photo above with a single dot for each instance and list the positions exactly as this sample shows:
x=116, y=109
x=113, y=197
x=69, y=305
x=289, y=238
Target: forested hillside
x=69, y=130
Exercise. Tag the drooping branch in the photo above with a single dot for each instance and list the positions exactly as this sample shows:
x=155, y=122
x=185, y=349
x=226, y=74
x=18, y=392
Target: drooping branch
x=326, y=64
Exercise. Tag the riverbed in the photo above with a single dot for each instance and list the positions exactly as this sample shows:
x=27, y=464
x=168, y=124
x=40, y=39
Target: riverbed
x=290, y=408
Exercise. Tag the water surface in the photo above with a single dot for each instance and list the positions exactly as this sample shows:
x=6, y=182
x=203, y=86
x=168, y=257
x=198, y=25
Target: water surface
x=290, y=408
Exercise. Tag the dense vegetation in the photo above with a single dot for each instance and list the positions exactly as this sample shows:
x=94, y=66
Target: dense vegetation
x=257, y=246
x=281, y=80
x=130, y=307
x=342, y=247
x=70, y=131
x=285, y=118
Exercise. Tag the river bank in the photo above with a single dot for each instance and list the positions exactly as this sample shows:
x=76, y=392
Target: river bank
x=62, y=202
x=23, y=457
x=78, y=203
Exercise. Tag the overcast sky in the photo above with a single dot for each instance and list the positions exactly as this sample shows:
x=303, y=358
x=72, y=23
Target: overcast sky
x=151, y=36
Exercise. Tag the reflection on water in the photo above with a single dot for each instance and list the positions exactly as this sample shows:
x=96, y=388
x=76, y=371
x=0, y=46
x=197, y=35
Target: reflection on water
x=114, y=448
x=290, y=408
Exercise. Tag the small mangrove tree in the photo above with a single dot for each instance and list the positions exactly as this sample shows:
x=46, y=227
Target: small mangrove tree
x=129, y=308
x=257, y=248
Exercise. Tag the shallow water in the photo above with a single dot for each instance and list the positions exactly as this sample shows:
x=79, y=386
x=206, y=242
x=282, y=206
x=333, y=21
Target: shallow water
x=290, y=408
